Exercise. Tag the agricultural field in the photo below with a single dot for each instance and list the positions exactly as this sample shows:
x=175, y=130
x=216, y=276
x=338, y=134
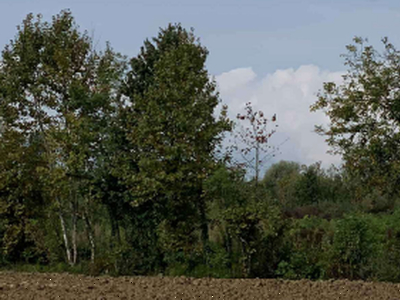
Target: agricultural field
x=66, y=286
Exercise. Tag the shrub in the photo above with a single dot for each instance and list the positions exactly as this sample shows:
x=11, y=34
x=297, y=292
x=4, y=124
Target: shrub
x=306, y=256
x=352, y=248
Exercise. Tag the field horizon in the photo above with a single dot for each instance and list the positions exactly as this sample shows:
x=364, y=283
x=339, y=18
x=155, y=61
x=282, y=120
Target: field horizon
x=19, y=285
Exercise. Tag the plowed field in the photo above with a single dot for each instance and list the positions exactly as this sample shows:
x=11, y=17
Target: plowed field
x=64, y=286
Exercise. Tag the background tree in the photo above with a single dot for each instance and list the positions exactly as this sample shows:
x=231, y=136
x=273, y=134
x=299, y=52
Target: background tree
x=252, y=141
x=280, y=180
x=364, y=114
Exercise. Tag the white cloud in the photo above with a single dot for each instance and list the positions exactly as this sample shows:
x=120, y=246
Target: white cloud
x=288, y=93
x=235, y=79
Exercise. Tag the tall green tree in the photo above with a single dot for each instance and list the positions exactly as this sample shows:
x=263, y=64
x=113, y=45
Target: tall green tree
x=173, y=131
x=364, y=113
x=55, y=86
x=22, y=206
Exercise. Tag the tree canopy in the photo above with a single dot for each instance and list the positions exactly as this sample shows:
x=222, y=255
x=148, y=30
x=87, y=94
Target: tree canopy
x=364, y=113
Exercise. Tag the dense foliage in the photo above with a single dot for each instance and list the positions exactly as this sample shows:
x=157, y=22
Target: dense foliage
x=113, y=165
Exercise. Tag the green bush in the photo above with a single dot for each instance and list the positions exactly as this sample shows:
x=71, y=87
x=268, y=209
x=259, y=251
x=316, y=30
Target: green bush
x=353, y=248
x=306, y=256
x=386, y=258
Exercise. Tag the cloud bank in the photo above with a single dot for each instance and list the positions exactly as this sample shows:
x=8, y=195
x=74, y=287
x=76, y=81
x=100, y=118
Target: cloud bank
x=288, y=93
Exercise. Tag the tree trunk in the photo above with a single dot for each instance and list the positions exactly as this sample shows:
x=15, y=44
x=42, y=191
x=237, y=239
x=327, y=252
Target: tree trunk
x=115, y=233
x=118, y=232
x=257, y=166
x=246, y=260
x=229, y=250
x=65, y=237
x=204, y=223
x=90, y=236
x=74, y=229
x=203, y=226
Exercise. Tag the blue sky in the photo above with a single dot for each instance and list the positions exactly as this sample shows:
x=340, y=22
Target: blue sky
x=276, y=53
x=264, y=34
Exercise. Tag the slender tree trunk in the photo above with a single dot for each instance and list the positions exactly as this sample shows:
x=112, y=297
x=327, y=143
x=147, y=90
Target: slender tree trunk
x=115, y=234
x=118, y=232
x=50, y=165
x=257, y=164
x=74, y=229
x=64, y=232
x=204, y=231
x=229, y=246
x=204, y=223
x=90, y=236
x=246, y=260
x=65, y=237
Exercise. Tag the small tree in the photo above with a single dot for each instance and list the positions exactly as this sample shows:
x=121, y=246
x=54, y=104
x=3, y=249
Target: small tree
x=280, y=180
x=252, y=139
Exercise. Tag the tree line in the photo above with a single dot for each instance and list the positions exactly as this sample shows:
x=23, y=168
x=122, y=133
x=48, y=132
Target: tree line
x=110, y=164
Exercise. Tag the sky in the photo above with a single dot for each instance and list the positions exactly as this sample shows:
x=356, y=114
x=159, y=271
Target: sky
x=274, y=53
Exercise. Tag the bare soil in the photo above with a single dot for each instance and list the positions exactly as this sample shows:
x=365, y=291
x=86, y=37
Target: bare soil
x=66, y=286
